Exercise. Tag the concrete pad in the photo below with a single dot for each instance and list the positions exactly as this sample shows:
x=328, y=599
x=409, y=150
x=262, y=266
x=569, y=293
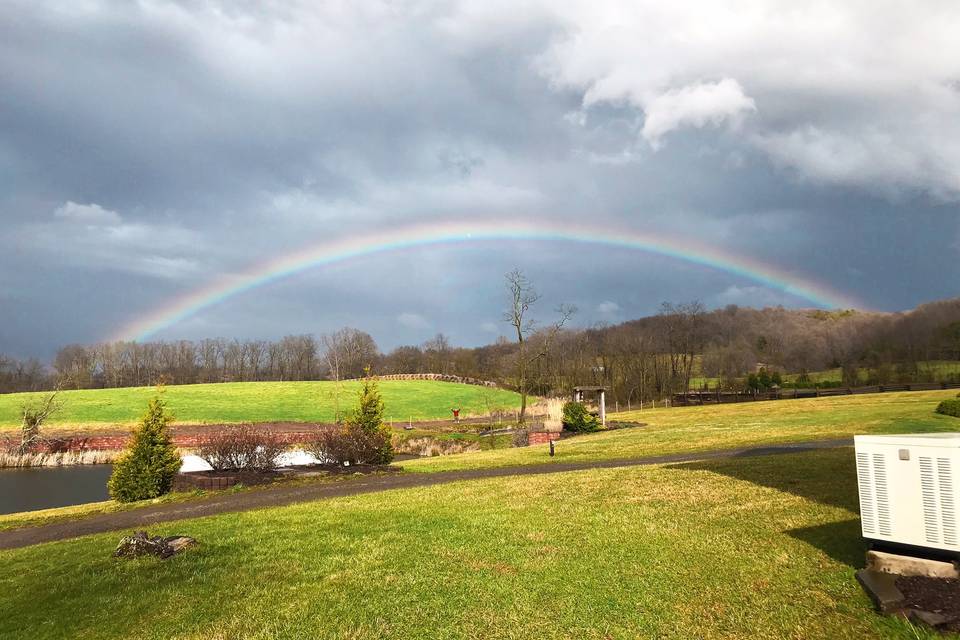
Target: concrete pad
x=882, y=589
x=895, y=564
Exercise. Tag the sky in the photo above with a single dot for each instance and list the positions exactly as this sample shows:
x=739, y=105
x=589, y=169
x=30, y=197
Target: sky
x=151, y=150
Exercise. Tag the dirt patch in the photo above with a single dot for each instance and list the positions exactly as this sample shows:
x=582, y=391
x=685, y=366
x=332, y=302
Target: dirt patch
x=936, y=595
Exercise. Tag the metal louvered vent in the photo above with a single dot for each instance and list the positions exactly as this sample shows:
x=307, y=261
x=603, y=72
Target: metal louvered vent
x=868, y=514
x=948, y=513
x=928, y=490
x=881, y=495
x=909, y=495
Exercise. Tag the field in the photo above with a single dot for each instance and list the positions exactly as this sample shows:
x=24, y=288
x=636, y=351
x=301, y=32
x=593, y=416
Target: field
x=265, y=402
x=743, y=547
x=702, y=428
x=738, y=548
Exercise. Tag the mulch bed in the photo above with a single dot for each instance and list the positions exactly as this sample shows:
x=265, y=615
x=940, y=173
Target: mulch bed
x=219, y=480
x=937, y=595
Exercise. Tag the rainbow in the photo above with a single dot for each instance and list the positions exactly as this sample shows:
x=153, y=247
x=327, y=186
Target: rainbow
x=332, y=251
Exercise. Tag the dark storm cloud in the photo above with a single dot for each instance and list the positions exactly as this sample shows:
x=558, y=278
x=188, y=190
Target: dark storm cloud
x=146, y=148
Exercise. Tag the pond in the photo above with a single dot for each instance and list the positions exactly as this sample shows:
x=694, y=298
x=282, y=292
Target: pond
x=47, y=487
x=36, y=488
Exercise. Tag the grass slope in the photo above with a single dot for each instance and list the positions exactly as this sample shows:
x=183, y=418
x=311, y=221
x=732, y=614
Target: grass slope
x=740, y=548
x=726, y=426
x=265, y=402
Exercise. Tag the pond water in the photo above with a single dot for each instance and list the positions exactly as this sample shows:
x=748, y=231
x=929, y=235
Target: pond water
x=47, y=487
x=36, y=488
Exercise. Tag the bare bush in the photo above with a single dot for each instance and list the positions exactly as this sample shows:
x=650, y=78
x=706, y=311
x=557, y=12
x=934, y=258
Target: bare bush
x=13, y=459
x=243, y=448
x=521, y=438
x=33, y=416
x=430, y=446
x=340, y=444
x=550, y=412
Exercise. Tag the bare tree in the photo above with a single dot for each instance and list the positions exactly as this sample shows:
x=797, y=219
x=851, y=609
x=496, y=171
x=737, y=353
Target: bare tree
x=437, y=350
x=684, y=335
x=74, y=364
x=522, y=297
x=33, y=417
x=348, y=352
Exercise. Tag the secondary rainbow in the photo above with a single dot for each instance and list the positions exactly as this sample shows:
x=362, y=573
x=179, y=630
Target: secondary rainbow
x=331, y=251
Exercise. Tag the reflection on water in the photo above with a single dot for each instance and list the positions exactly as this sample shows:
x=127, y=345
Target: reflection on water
x=47, y=487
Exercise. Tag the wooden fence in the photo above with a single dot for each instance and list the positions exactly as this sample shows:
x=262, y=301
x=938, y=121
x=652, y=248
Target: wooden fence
x=691, y=398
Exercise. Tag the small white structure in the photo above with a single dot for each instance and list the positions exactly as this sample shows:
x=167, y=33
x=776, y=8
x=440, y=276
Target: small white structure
x=578, y=396
x=909, y=489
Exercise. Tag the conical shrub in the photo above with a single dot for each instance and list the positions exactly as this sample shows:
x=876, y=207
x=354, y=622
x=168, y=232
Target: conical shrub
x=148, y=467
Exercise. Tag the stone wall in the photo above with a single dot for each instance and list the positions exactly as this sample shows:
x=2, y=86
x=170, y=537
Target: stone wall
x=440, y=377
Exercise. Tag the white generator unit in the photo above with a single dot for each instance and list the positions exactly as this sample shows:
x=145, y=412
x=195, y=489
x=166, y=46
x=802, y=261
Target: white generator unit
x=908, y=490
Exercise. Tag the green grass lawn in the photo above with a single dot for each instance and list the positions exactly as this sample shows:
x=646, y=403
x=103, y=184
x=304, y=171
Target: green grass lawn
x=738, y=548
x=684, y=429
x=265, y=402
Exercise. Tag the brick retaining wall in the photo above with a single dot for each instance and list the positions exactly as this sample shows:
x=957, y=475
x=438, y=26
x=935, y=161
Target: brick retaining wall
x=111, y=443
x=543, y=437
x=187, y=482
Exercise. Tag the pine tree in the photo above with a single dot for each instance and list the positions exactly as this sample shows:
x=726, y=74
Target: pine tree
x=367, y=420
x=151, y=462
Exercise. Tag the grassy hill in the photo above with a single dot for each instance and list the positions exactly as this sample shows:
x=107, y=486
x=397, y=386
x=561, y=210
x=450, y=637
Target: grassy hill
x=265, y=402
x=726, y=548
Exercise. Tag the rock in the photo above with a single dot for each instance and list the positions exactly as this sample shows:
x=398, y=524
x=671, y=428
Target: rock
x=141, y=544
x=928, y=618
x=882, y=589
x=179, y=543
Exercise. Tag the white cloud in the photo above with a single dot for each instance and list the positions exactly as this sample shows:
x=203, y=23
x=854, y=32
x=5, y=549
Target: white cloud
x=413, y=320
x=490, y=327
x=608, y=308
x=695, y=105
x=837, y=91
x=92, y=214
x=101, y=242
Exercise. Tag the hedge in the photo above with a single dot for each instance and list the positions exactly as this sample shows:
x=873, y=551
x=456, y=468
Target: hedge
x=949, y=408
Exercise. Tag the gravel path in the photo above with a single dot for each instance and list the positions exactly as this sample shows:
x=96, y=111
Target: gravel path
x=283, y=495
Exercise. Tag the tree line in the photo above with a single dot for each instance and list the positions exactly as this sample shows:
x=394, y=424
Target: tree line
x=640, y=360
